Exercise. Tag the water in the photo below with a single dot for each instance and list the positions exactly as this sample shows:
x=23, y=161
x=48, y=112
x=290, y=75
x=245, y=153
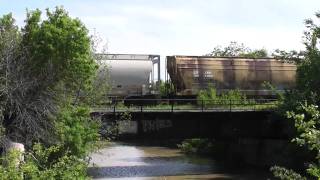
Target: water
x=135, y=162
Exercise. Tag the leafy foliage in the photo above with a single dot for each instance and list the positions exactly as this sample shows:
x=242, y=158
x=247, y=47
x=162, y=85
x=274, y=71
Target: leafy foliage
x=238, y=50
x=38, y=164
x=59, y=48
x=76, y=137
x=210, y=97
x=41, y=67
x=308, y=71
x=207, y=96
x=44, y=68
x=166, y=88
x=96, y=93
x=307, y=121
x=303, y=104
x=196, y=146
x=289, y=56
x=76, y=131
x=286, y=174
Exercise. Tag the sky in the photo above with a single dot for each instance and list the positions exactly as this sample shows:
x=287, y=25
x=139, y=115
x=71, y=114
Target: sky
x=183, y=27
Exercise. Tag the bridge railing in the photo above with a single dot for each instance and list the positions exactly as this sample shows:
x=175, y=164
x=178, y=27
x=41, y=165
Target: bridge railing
x=188, y=105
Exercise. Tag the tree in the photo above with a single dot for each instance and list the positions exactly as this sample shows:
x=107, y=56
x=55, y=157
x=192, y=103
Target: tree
x=42, y=66
x=307, y=122
x=237, y=50
x=308, y=71
x=304, y=104
x=45, y=68
x=292, y=56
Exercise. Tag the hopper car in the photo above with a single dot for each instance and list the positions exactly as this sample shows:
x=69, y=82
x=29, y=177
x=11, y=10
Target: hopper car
x=132, y=75
x=190, y=74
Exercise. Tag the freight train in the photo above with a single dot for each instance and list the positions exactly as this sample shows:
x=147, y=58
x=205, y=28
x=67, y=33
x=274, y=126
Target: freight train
x=135, y=75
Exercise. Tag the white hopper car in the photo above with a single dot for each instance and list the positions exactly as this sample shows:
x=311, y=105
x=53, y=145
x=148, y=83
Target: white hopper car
x=132, y=74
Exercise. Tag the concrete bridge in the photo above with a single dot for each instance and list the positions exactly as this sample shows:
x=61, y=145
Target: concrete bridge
x=187, y=118
x=257, y=136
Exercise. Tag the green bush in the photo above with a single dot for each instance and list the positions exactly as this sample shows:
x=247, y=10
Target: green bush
x=302, y=105
x=8, y=167
x=196, y=146
x=50, y=70
x=76, y=130
x=307, y=122
x=77, y=135
x=39, y=164
x=209, y=97
x=166, y=88
x=233, y=96
x=286, y=174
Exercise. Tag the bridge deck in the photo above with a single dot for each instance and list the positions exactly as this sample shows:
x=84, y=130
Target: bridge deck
x=167, y=110
x=187, y=105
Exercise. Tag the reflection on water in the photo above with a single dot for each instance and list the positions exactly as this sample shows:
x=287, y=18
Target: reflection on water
x=122, y=161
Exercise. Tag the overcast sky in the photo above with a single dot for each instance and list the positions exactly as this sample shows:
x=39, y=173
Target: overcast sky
x=184, y=27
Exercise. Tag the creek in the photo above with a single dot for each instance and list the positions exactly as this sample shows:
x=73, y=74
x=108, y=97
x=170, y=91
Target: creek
x=143, y=162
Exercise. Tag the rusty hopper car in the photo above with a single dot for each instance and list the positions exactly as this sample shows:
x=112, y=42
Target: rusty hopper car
x=189, y=74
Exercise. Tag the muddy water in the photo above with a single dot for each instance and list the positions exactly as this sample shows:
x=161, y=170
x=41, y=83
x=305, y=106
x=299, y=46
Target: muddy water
x=125, y=161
